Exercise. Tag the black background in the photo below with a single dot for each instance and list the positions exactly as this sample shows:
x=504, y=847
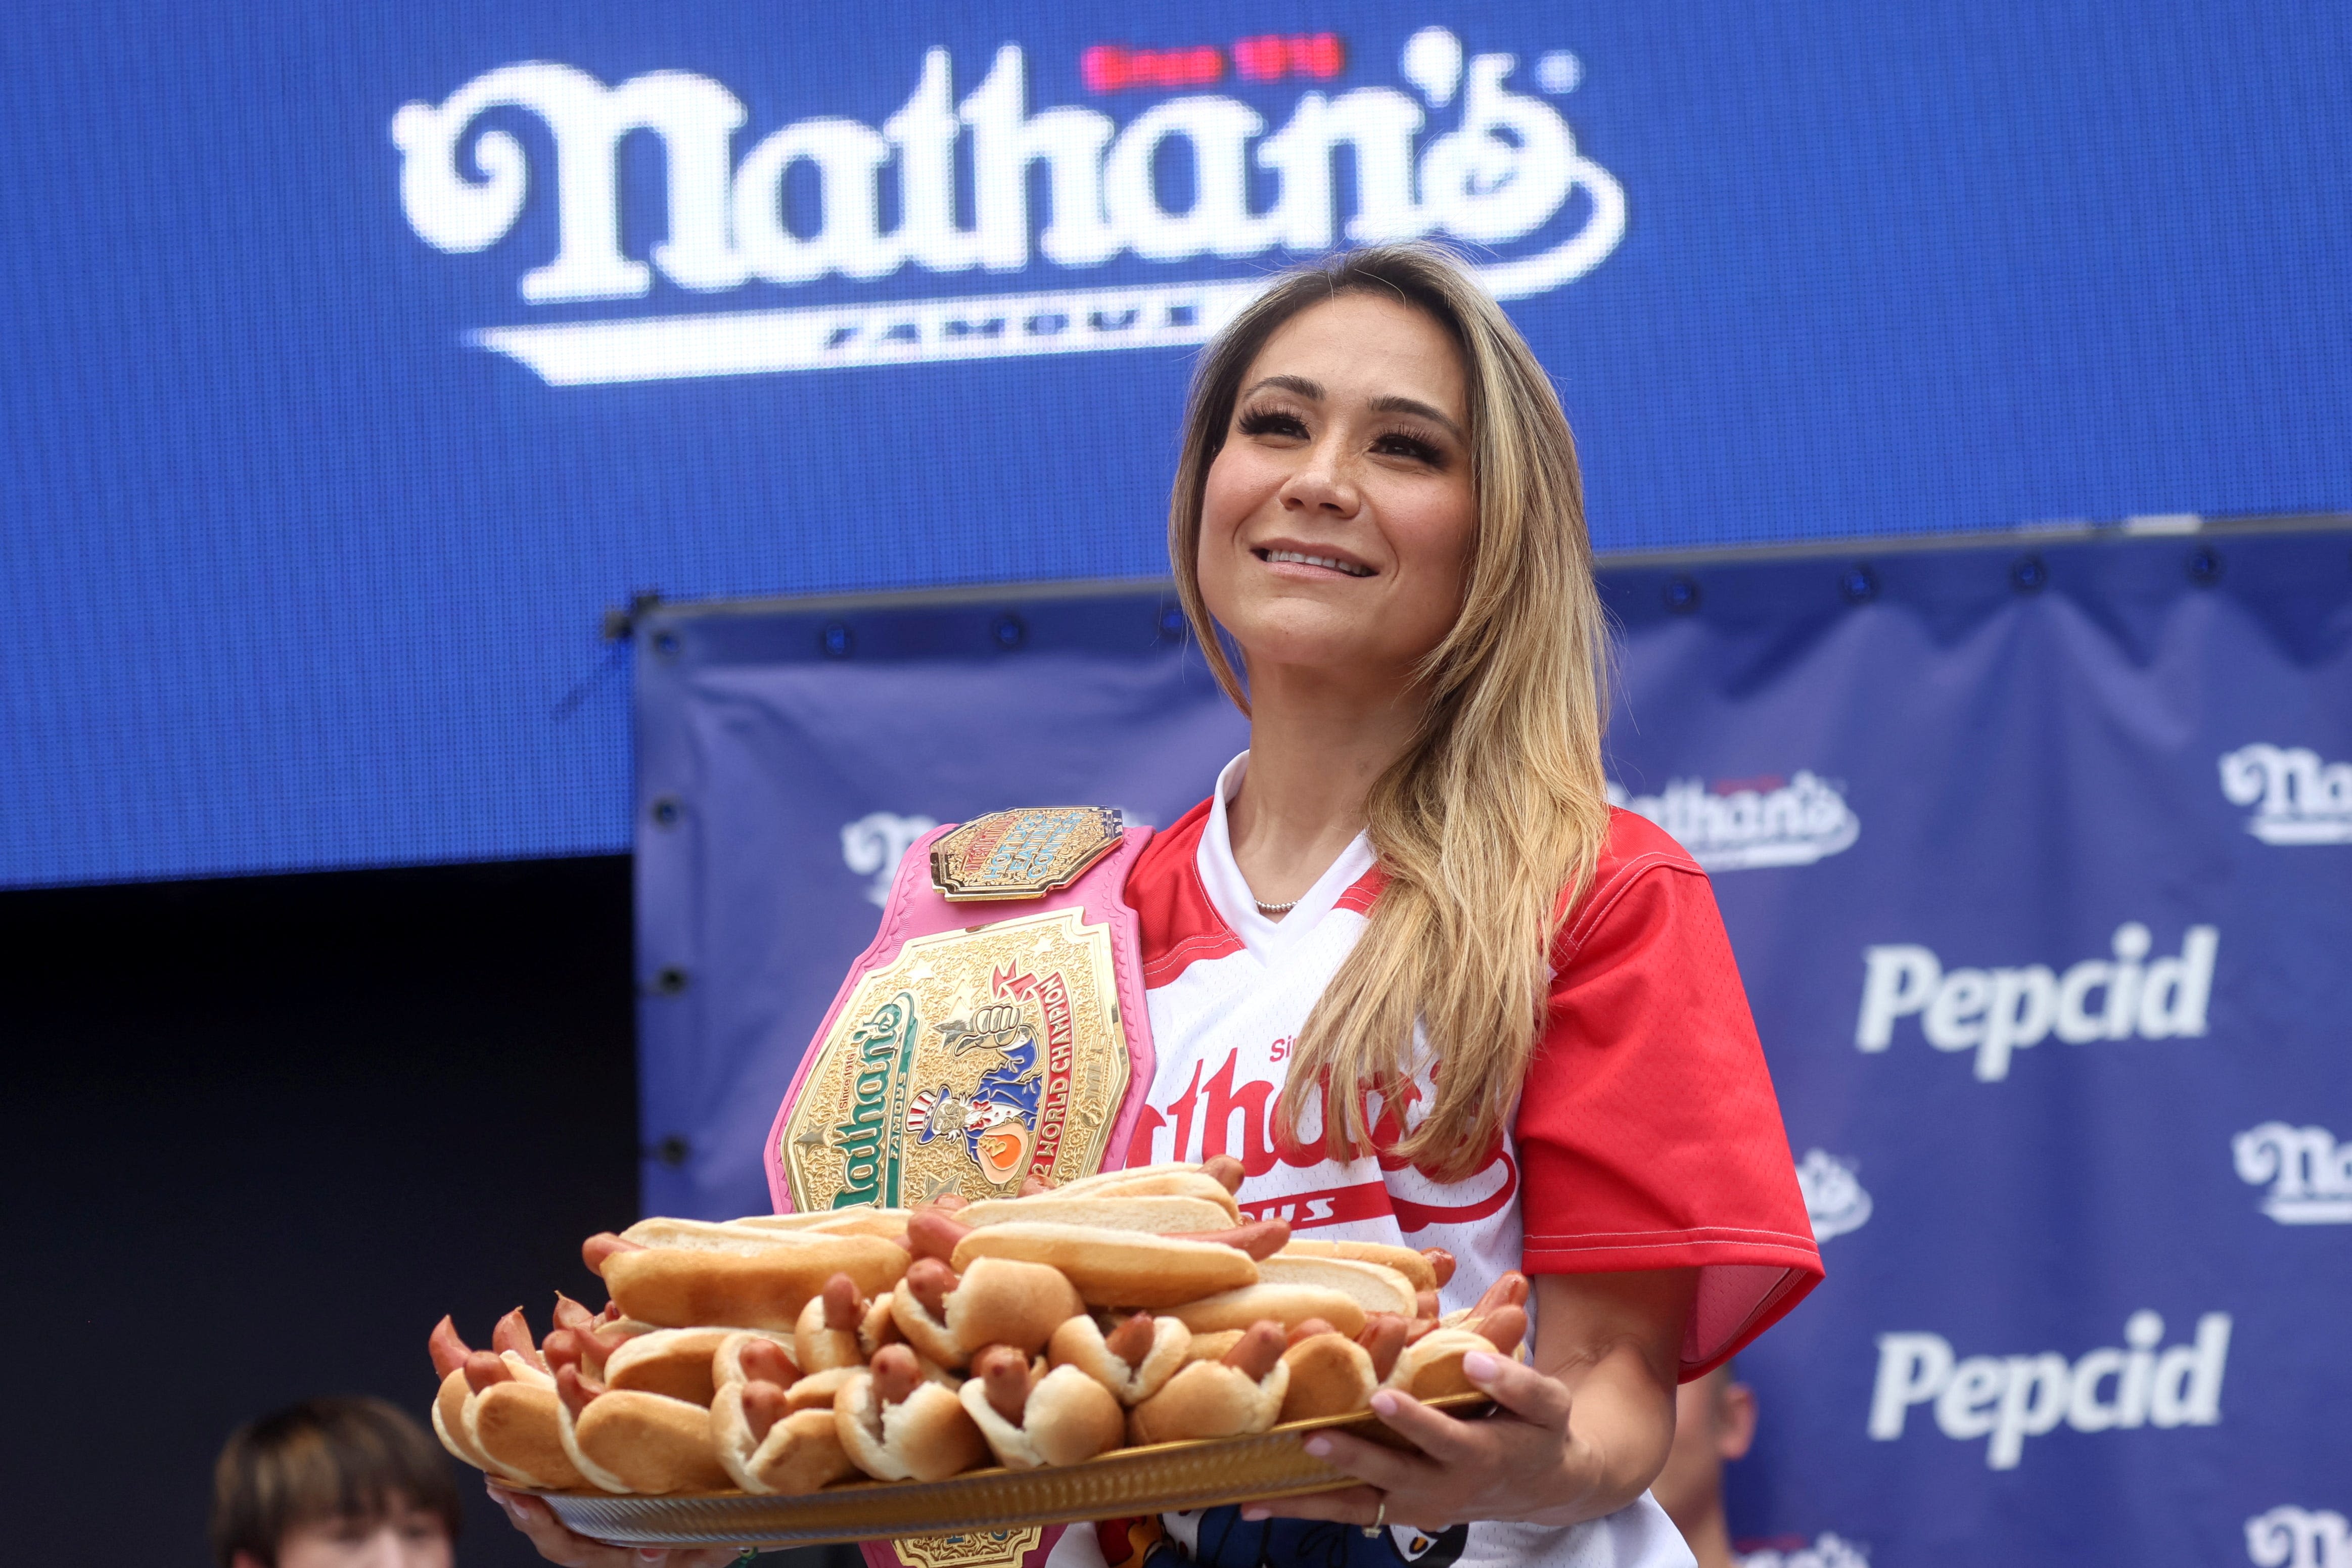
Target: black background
x=266, y=1131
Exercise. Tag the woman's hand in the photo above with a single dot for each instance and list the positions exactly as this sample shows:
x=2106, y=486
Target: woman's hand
x=556, y=1544
x=1578, y=1434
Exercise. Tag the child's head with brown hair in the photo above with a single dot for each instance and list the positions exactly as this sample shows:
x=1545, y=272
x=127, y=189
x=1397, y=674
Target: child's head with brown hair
x=333, y=1482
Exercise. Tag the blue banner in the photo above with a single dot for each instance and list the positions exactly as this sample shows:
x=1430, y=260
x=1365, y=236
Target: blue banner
x=361, y=356
x=2036, y=855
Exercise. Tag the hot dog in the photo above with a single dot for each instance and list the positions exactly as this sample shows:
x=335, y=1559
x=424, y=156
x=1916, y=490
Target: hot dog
x=1134, y=1359
x=1374, y=1286
x=1286, y=1304
x=1430, y=1365
x=766, y=1444
x=828, y=1334
x=1428, y=1269
x=1113, y=1267
x=674, y=1362
x=627, y=1440
x=1330, y=1374
x=896, y=1425
x=1240, y=1392
x=1156, y=1214
x=1165, y=1181
x=496, y=1408
x=1031, y=1416
x=723, y=1278
x=997, y=1301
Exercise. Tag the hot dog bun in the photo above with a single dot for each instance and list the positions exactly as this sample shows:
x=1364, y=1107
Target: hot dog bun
x=998, y=1301
x=762, y=1287
x=857, y=1219
x=1330, y=1374
x=449, y=1425
x=799, y=1454
x=650, y=1443
x=1114, y=1268
x=518, y=1426
x=1240, y=1394
x=816, y=1390
x=1374, y=1286
x=1430, y=1367
x=1419, y=1272
x=1080, y=1342
x=1155, y=1181
x=927, y=1437
x=707, y=1235
x=674, y=1362
x=1067, y=1419
x=1287, y=1304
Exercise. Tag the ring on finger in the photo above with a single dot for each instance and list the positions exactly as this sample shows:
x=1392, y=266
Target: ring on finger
x=1380, y=1520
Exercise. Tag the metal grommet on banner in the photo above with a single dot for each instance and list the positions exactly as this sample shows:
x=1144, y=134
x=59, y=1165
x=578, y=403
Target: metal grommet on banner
x=669, y=980
x=667, y=811
x=836, y=640
x=666, y=644
x=2204, y=567
x=1681, y=595
x=1008, y=632
x=1858, y=584
x=2027, y=574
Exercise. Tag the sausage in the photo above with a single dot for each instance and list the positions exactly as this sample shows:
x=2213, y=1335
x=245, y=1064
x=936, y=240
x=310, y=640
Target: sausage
x=1440, y=1263
x=1261, y=1238
x=764, y=1361
x=561, y=1349
x=928, y=1280
x=1510, y=1291
x=449, y=1352
x=1419, y=1326
x=484, y=1368
x=1258, y=1350
x=764, y=1404
x=1308, y=1328
x=1032, y=1185
x=513, y=1333
x=845, y=1309
x=933, y=1233
x=1425, y=1304
x=574, y=1390
x=611, y=1312
x=570, y=1314
x=1225, y=1169
x=1133, y=1340
x=1504, y=1327
x=950, y=1201
x=896, y=1373
x=601, y=1246
x=1384, y=1338
x=595, y=1350
x=1003, y=1373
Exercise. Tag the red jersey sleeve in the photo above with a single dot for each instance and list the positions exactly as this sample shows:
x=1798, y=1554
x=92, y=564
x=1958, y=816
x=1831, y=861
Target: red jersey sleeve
x=1649, y=1132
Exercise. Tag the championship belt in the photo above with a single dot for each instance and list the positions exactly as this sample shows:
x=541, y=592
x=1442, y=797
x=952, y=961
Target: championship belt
x=995, y=1030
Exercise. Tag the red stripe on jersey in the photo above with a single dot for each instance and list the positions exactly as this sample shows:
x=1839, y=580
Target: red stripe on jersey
x=1176, y=922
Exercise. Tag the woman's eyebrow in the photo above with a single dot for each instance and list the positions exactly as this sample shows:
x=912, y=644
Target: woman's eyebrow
x=1310, y=390
x=1394, y=404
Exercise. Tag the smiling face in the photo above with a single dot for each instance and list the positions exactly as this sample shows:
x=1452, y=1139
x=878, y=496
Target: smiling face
x=1337, y=519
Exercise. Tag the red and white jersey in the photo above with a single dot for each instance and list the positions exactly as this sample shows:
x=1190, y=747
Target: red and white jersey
x=1647, y=1134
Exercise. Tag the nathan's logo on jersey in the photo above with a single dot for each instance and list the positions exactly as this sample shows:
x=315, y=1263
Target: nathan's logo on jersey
x=1740, y=825
x=938, y=187
x=2308, y=1172
x=2297, y=799
x=1997, y=1012
x=1836, y=1200
x=873, y=845
x=2292, y=1537
x=1824, y=1550
x=2009, y=1399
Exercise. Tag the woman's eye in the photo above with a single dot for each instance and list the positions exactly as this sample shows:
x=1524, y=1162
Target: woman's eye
x=1273, y=422
x=1412, y=446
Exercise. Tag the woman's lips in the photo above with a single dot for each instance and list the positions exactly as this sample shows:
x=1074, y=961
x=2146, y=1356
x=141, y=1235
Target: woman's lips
x=1302, y=558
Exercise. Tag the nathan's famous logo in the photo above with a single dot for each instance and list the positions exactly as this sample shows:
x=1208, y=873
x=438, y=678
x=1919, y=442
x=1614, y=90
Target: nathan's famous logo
x=1836, y=1200
x=2292, y=1537
x=2007, y=1399
x=941, y=186
x=884, y=1054
x=1995, y=1012
x=2297, y=798
x=1738, y=824
x=2308, y=1172
x=873, y=845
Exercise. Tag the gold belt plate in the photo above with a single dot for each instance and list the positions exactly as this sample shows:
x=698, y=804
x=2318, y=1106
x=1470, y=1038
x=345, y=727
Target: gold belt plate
x=973, y=1059
x=1023, y=854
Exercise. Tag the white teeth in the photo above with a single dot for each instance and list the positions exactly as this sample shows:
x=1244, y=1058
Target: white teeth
x=1349, y=567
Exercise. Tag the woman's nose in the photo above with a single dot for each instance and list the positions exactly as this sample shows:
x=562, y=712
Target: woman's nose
x=1321, y=483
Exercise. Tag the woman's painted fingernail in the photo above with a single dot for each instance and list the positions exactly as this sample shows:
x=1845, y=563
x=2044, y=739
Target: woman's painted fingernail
x=1480, y=1367
x=1319, y=1448
x=652, y=1554
x=1256, y=1512
x=1386, y=1403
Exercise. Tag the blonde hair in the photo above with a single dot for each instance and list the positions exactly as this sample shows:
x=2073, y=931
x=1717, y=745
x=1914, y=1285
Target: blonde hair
x=1498, y=803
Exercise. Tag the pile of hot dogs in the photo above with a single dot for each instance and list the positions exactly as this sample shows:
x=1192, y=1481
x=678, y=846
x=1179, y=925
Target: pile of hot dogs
x=782, y=1354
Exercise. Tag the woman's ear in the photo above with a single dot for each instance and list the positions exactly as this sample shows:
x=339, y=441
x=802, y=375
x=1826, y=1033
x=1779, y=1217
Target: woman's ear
x=1734, y=1421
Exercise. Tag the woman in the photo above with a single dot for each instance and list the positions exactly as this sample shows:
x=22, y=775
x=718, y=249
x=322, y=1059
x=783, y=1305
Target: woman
x=1407, y=963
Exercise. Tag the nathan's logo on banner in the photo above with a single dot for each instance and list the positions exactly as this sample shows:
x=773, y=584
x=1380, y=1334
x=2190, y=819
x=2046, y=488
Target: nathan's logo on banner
x=1468, y=153
x=2008, y=1399
x=1997, y=1012
x=2292, y=1537
x=1824, y=1550
x=1836, y=1200
x=2309, y=1173
x=1738, y=824
x=873, y=845
x=2297, y=799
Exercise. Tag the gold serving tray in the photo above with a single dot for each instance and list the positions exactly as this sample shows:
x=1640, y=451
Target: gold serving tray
x=1161, y=1477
